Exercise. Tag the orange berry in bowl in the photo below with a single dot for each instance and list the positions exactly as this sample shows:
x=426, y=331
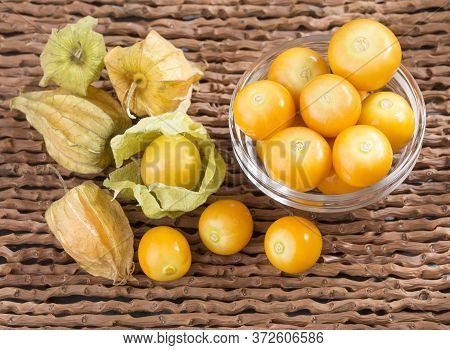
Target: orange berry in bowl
x=262, y=108
x=391, y=114
x=329, y=104
x=365, y=52
x=295, y=67
x=298, y=157
x=362, y=155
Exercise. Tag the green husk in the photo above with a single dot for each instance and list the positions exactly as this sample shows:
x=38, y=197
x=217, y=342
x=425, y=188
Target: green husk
x=73, y=56
x=159, y=200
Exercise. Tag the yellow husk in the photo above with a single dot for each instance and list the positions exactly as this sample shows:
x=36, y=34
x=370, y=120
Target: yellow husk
x=93, y=229
x=76, y=129
x=161, y=77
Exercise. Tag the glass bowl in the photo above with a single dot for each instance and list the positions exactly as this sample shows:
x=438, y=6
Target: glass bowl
x=245, y=151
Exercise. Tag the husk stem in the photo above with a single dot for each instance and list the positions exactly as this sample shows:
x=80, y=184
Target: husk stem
x=60, y=178
x=130, y=94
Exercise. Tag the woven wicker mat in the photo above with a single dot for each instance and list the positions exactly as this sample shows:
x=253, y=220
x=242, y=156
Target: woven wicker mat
x=385, y=266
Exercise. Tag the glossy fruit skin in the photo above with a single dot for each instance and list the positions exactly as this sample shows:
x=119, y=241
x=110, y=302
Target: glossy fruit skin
x=260, y=150
x=259, y=145
x=329, y=104
x=333, y=185
x=363, y=94
x=391, y=114
x=293, y=244
x=164, y=254
x=294, y=67
x=298, y=157
x=226, y=226
x=263, y=107
x=362, y=155
x=365, y=52
x=171, y=160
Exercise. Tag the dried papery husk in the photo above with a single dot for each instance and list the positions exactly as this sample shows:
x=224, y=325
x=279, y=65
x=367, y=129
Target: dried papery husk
x=152, y=77
x=73, y=56
x=76, y=129
x=93, y=229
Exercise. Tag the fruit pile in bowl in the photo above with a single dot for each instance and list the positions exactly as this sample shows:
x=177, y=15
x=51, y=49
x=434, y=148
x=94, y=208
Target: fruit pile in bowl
x=329, y=125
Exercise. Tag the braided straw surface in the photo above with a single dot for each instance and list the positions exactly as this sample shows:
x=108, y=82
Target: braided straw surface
x=385, y=266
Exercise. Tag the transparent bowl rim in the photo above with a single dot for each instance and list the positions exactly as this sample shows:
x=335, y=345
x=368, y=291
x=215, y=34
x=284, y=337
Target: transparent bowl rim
x=271, y=187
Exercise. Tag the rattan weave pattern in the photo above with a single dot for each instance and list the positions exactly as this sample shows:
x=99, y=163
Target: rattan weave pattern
x=385, y=266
